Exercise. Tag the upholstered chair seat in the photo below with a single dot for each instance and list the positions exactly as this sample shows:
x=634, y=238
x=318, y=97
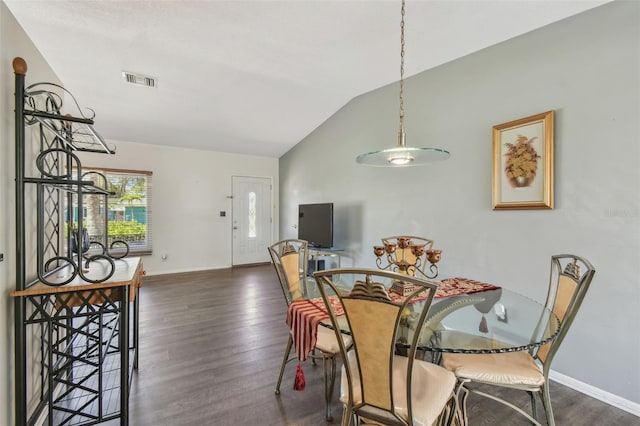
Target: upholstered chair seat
x=327, y=342
x=505, y=369
x=430, y=382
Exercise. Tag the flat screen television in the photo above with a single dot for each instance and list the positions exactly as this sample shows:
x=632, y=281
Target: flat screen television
x=315, y=224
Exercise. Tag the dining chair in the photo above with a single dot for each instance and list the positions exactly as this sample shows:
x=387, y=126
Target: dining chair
x=290, y=260
x=382, y=381
x=569, y=281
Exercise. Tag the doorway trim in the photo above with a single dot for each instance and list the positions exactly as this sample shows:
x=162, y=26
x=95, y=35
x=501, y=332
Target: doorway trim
x=254, y=252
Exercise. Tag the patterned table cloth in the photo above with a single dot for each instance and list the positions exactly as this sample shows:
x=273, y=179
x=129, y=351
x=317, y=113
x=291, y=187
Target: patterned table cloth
x=304, y=315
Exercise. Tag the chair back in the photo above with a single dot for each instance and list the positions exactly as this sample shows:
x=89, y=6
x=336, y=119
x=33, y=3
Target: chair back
x=290, y=260
x=377, y=321
x=569, y=281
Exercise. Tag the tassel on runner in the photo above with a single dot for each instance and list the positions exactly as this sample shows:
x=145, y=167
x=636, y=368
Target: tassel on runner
x=483, y=328
x=299, y=382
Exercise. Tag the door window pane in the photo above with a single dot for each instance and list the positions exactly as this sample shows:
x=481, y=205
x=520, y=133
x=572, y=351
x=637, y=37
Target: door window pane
x=252, y=215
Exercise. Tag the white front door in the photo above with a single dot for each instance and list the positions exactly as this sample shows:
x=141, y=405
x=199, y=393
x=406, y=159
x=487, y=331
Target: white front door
x=252, y=223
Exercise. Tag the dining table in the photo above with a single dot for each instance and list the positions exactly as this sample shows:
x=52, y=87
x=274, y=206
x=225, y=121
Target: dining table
x=466, y=316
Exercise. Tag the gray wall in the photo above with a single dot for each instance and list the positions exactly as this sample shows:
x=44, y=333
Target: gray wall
x=587, y=69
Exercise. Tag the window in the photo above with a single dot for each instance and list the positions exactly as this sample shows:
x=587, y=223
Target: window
x=128, y=208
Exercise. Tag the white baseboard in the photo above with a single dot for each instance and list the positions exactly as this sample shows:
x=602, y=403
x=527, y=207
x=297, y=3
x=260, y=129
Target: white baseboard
x=181, y=271
x=592, y=391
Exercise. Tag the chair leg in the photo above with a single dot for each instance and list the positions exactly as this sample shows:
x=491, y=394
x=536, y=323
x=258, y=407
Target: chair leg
x=347, y=416
x=461, y=395
x=450, y=414
x=546, y=403
x=456, y=417
x=284, y=363
x=534, y=409
x=329, y=366
x=503, y=402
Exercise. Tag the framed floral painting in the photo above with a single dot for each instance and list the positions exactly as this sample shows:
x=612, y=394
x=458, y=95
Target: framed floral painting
x=523, y=163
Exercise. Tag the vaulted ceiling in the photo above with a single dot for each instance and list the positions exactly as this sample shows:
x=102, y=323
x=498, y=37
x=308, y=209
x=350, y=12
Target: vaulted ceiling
x=254, y=77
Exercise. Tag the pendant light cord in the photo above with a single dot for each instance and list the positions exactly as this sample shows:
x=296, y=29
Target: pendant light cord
x=401, y=138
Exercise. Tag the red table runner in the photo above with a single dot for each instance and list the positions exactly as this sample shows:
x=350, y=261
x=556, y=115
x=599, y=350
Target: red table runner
x=304, y=315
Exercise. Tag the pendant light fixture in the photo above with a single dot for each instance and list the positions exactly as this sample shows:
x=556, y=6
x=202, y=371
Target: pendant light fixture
x=402, y=155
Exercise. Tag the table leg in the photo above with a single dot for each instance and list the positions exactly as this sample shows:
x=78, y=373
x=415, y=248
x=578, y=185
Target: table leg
x=124, y=356
x=136, y=328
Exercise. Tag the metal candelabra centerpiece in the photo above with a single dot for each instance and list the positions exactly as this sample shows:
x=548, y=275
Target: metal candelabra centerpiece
x=406, y=255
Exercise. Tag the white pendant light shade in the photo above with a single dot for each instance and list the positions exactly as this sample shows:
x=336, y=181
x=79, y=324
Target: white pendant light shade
x=402, y=156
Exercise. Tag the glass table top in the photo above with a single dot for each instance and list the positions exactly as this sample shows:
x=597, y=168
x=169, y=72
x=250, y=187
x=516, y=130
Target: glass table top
x=490, y=321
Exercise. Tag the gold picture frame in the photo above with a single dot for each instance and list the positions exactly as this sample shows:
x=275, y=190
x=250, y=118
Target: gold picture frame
x=523, y=163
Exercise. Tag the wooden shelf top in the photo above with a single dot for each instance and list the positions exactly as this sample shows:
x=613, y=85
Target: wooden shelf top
x=126, y=274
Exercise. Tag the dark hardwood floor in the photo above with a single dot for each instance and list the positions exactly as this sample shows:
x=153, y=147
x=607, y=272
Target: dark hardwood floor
x=211, y=344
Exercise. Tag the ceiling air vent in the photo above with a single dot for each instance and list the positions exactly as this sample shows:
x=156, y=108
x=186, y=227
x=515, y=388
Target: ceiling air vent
x=139, y=79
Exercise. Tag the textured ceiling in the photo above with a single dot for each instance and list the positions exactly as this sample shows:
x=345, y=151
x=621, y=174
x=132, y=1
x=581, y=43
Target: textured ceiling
x=254, y=77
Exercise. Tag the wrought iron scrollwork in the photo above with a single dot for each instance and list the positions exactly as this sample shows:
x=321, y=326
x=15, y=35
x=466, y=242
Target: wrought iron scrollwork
x=406, y=255
x=75, y=133
x=62, y=186
x=117, y=249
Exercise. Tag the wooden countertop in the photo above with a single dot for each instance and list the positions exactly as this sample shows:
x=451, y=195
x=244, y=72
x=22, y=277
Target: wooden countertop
x=128, y=272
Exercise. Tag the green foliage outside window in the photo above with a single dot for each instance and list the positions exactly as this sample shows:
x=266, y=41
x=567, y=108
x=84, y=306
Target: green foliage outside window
x=127, y=231
x=118, y=230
